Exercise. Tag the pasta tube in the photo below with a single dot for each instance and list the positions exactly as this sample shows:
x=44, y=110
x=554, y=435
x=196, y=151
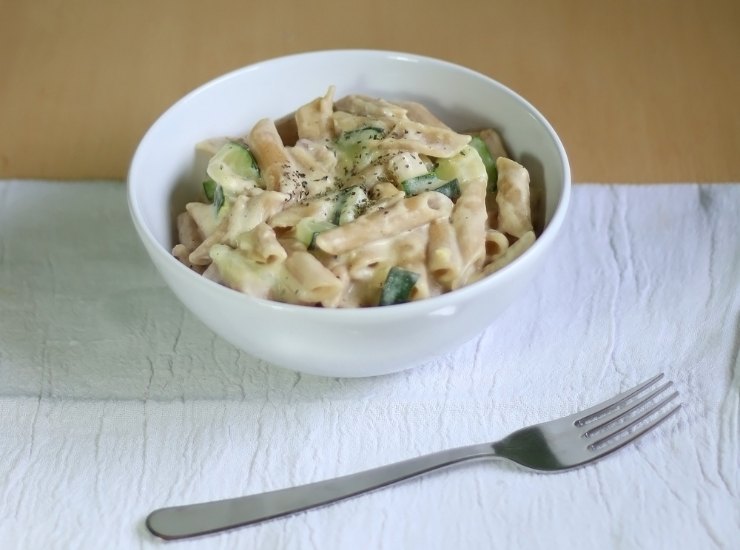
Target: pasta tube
x=278, y=171
x=311, y=283
x=511, y=254
x=402, y=216
x=469, y=220
x=313, y=120
x=443, y=254
x=514, y=215
x=428, y=140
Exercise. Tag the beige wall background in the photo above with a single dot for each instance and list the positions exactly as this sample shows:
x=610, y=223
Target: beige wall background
x=640, y=91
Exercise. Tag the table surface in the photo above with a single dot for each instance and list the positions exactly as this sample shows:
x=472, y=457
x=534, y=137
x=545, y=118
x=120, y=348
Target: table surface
x=639, y=91
x=115, y=400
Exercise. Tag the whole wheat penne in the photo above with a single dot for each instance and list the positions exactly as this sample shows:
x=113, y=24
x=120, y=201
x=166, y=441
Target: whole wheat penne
x=443, y=253
x=287, y=129
x=204, y=216
x=311, y=282
x=512, y=197
x=260, y=243
x=469, y=220
x=512, y=253
x=496, y=244
x=402, y=216
x=278, y=170
x=313, y=120
x=419, y=113
x=428, y=140
x=363, y=105
x=188, y=232
x=247, y=212
x=181, y=252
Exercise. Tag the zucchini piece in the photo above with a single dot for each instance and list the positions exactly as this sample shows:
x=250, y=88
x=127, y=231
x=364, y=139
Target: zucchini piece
x=451, y=189
x=431, y=182
x=349, y=204
x=354, y=153
x=209, y=188
x=407, y=165
x=446, y=169
x=218, y=198
x=214, y=193
x=352, y=202
x=251, y=170
x=232, y=165
x=397, y=286
x=485, y=155
x=307, y=229
x=419, y=184
x=465, y=166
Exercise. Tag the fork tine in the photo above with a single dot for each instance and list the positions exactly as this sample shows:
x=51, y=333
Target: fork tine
x=602, y=444
x=620, y=413
x=583, y=417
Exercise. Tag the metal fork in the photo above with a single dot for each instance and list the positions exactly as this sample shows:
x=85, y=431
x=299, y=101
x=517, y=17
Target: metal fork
x=561, y=444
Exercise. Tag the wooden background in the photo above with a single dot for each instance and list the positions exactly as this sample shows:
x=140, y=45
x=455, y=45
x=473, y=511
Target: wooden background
x=640, y=91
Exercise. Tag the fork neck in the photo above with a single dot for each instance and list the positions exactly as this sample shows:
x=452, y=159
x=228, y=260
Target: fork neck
x=459, y=454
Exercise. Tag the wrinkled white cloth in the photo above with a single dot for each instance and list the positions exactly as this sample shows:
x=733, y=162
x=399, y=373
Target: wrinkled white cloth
x=114, y=400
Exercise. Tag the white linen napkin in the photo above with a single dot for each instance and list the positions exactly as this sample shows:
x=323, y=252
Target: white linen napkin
x=114, y=400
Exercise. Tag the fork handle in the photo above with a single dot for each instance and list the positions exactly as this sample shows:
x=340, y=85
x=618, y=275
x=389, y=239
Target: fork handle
x=209, y=517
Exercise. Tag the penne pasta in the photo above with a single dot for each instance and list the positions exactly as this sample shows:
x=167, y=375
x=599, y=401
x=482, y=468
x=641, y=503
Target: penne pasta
x=260, y=244
x=443, y=253
x=278, y=170
x=311, y=282
x=319, y=209
x=188, y=232
x=402, y=216
x=514, y=216
x=428, y=140
x=370, y=107
x=181, y=252
x=201, y=256
x=419, y=113
x=247, y=212
x=287, y=129
x=469, y=220
x=204, y=217
x=313, y=120
x=344, y=122
x=496, y=244
x=318, y=162
x=511, y=254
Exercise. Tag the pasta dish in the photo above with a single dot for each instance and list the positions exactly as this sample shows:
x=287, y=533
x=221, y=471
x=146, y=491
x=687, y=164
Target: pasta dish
x=355, y=202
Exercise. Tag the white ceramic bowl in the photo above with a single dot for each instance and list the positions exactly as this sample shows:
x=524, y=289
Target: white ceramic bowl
x=345, y=343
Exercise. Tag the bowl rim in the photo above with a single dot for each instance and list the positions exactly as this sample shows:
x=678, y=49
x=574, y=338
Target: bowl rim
x=438, y=303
